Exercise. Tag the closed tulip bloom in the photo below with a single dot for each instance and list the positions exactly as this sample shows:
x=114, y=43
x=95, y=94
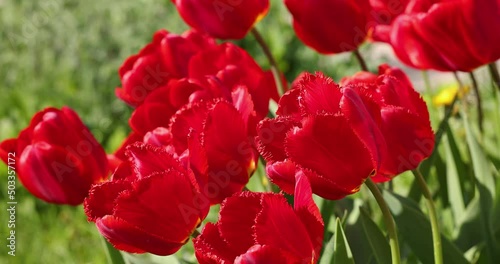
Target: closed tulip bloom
x=404, y=120
x=152, y=204
x=57, y=158
x=330, y=26
x=456, y=35
x=224, y=19
x=320, y=129
x=264, y=228
x=226, y=145
x=165, y=58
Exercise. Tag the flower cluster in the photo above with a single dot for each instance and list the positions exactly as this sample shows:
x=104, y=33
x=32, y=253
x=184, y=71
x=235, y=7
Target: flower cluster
x=201, y=122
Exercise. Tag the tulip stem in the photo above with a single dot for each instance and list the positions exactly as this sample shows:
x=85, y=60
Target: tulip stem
x=112, y=254
x=480, y=114
x=436, y=234
x=274, y=66
x=388, y=219
x=494, y=74
x=360, y=59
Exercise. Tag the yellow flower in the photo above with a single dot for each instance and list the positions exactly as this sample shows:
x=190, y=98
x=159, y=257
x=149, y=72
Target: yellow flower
x=447, y=93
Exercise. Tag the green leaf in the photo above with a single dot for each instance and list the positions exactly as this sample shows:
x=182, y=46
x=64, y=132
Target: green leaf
x=486, y=187
x=378, y=242
x=114, y=255
x=454, y=176
x=415, y=229
x=337, y=251
x=342, y=253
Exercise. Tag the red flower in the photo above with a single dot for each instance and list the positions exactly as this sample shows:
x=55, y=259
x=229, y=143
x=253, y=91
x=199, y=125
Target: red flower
x=224, y=19
x=381, y=123
x=57, y=158
x=263, y=228
x=162, y=60
x=404, y=120
x=214, y=73
x=232, y=67
x=330, y=26
x=152, y=204
x=320, y=129
x=455, y=35
x=226, y=145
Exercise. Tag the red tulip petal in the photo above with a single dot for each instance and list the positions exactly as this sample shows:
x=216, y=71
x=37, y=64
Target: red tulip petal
x=131, y=138
x=327, y=145
x=265, y=254
x=53, y=174
x=8, y=146
x=190, y=117
x=289, y=102
x=363, y=121
x=282, y=174
x=162, y=204
x=101, y=199
x=149, y=116
x=242, y=100
x=235, y=224
x=229, y=151
x=319, y=94
x=277, y=225
x=127, y=237
x=412, y=140
x=271, y=137
x=159, y=137
x=210, y=247
x=146, y=159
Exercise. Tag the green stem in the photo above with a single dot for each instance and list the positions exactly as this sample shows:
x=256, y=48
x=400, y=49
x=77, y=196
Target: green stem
x=274, y=66
x=360, y=59
x=388, y=219
x=495, y=75
x=112, y=254
x=436, y=234
x=480, y=114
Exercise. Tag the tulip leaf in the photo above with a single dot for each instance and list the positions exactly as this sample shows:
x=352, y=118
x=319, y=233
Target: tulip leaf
x=114, y=255
x=486, y=186
x=415, y=229
x=378, y=242
x=454, y=176
x=337, y=251
x=341, y=253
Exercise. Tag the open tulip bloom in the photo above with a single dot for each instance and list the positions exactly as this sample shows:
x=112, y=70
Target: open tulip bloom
x=202, y=124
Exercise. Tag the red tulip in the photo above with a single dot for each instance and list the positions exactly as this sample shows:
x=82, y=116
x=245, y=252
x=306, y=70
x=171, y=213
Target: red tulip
x=162, y=60
x=57, y=158
x=216, y=72
x=378, y=121
x=152, y=204
x=233, y=67
x=224, y=19
x=404, y=120
x=456, y=35
x=319, y=130
x=330, y=26
x=263, y=228
x=226, y=146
